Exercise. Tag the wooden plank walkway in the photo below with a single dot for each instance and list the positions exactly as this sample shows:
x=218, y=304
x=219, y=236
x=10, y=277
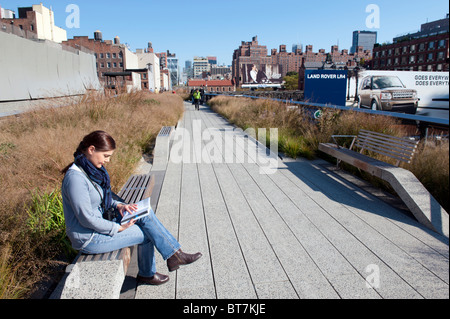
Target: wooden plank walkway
x=302, y=232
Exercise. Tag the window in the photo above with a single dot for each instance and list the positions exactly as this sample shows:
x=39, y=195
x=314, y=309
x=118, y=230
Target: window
x=412, y=48
x=440, y=56
x=108, y=55
x=114, y=56
x=441, y=44
x=102, y=56
x=109, y=65
x=366, y=84
x=412, y=59
x=430, y=57
x=431, y=45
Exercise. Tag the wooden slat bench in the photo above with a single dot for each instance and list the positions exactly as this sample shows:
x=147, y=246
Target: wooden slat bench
x=399, y=149
x=416, y=197
x=116, y=263
x=137, y=187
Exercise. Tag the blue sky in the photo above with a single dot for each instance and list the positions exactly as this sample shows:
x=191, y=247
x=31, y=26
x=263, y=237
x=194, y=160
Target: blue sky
x=217, y=27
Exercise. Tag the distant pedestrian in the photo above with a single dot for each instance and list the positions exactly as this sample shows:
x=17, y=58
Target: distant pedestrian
x=202, y=94
x=197, y=97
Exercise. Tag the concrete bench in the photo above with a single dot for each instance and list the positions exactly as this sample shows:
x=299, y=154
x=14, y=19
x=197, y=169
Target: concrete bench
x=420, y=202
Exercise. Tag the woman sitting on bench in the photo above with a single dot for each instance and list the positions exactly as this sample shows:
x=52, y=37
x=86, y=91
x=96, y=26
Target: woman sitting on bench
x=87, y=199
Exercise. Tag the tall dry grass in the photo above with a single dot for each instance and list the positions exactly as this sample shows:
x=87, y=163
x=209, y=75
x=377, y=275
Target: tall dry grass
x=300, y=135
x=35, y=146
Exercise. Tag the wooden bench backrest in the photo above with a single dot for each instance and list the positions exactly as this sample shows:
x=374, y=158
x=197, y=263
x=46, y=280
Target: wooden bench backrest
x=400, y=149
x=138, y=187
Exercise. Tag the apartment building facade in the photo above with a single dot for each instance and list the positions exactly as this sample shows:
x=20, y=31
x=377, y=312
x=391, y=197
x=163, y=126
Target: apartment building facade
x=280, y=62
x=426, y=50
x=117, y=67
x=111, y=56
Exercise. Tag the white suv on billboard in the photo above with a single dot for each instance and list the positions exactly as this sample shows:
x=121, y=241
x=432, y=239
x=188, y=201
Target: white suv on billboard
x=387, y=93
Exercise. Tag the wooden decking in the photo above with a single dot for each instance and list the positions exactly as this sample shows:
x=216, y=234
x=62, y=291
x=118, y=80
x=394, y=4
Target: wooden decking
x=301, y=232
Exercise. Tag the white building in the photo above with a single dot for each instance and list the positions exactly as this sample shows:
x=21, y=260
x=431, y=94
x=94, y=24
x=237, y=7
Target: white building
x=149, y=60
x=45, y=25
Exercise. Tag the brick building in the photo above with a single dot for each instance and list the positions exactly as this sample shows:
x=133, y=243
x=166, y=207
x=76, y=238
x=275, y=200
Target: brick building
x=426, y=50
x=212, y=85
x=117, y=66
x=254, y=53
x=111, y=57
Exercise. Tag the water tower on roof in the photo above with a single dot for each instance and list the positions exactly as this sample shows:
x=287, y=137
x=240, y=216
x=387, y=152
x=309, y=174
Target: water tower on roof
x=98, y=36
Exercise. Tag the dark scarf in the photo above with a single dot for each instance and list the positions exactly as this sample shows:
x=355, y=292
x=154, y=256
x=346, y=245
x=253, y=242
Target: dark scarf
x=99, y=176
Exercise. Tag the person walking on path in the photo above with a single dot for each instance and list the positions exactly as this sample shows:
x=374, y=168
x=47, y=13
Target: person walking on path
x=202, y=96
x=88, y=202
x=197, y=97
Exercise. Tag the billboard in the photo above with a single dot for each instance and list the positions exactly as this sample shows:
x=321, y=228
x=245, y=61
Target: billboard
x=432, y=89
x=261, y=75
x=326, y=86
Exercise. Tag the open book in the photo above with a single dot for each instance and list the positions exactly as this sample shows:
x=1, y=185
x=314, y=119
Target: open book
x=143, y=209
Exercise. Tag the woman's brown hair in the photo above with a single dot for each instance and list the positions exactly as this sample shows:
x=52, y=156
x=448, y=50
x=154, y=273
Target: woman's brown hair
x=102, y=141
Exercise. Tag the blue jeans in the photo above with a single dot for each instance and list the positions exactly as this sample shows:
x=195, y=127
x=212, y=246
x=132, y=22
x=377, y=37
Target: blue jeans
x=147, y=233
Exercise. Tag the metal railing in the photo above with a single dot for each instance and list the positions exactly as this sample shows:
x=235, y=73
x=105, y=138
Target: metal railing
x=411, y=117
x=424, y=123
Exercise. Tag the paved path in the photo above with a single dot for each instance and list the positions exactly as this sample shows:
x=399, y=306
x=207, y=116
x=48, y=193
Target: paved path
x=302, y=232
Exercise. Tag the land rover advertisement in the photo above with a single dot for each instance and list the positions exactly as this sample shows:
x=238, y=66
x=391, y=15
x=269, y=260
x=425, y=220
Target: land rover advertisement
x=421, y=93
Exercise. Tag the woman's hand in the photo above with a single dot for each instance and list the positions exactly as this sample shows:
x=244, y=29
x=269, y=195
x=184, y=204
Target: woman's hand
x=127, y=225
x=122, y=210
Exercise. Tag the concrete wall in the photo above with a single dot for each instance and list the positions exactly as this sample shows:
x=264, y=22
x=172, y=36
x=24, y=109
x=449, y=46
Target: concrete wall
x=41, y=69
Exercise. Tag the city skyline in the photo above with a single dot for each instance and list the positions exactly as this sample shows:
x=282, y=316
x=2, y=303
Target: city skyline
x=217, y=28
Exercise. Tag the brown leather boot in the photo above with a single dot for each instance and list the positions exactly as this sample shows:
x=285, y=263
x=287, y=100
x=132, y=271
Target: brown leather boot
x=180, y=258
x=156, y=280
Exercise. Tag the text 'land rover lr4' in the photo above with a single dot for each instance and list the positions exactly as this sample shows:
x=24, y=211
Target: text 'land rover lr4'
x=387, y=93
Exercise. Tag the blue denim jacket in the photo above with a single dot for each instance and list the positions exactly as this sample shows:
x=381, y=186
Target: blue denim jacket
x=82, y=209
